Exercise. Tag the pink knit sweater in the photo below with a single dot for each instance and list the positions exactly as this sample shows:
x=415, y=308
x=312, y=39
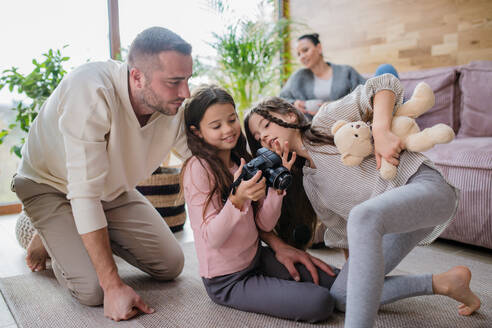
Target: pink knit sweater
x=226, y=238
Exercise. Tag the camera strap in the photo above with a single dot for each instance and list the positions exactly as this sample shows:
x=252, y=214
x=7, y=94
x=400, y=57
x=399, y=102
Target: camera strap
x=236, y=183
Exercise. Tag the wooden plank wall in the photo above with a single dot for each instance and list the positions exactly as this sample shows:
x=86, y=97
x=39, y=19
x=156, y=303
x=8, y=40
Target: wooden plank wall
x=410, y=34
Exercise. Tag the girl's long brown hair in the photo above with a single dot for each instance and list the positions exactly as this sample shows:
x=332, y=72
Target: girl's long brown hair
x=296, y=207
x=195, y=107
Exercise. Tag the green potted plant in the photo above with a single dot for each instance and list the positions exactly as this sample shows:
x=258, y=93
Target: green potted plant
x=249, y=54
x=36, y=87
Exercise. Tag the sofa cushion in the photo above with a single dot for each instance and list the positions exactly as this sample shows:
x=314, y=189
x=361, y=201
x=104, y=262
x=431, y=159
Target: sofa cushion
x=476, y=89
x=481, y=63
x=442, y=81
x=467, y=164
x=469, y=153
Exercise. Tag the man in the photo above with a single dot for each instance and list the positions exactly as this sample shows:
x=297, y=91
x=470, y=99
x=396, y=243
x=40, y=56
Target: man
x=105, y=128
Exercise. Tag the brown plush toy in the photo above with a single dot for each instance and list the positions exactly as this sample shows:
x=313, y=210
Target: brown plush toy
x=354, y=139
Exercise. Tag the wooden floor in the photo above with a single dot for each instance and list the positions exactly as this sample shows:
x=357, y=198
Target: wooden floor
x=12, y=256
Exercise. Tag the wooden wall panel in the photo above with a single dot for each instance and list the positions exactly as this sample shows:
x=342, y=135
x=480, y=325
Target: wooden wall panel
x=410, y=34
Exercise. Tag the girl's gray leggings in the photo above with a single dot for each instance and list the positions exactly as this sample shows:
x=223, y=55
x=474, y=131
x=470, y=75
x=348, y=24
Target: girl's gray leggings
x=381, y=232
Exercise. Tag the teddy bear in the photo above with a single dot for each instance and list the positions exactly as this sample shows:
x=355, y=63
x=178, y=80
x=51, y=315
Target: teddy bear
x=354, y=139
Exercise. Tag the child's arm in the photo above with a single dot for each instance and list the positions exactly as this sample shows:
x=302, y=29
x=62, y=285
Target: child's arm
x=386, y=144
x=289, y=256
x=269, y=210
x=216, y=224
x=358, y=105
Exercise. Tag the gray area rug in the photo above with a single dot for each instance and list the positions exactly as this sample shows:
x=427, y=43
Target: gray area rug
x=36, y=299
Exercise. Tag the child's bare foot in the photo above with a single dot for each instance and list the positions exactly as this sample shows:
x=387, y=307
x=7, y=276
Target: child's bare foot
x=36, y=254
x=455, y=283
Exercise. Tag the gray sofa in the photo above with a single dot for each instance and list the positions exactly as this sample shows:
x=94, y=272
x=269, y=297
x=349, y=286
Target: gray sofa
x=464, y=102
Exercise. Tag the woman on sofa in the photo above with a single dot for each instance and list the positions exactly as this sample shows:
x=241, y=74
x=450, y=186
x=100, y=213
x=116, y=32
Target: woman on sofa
x=320, y=81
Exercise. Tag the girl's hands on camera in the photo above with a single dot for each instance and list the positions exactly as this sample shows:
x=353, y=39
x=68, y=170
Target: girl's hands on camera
x=284, y=154
x=253, y=189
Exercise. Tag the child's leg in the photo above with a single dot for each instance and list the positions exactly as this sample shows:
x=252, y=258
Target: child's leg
x=395, y=248
x=251, y=291
x=270, y=266
x=424, y=202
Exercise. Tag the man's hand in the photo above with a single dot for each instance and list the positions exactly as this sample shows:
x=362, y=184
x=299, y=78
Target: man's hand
x=120, y=300
x=289, y=256
x=122, y=303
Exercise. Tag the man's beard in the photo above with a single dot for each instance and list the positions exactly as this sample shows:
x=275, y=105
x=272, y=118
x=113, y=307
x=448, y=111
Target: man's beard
x=158, y=108
x=149, y=99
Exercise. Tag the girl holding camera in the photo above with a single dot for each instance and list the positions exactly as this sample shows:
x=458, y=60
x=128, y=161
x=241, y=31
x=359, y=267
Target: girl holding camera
x=380, y=221
x=236, y=270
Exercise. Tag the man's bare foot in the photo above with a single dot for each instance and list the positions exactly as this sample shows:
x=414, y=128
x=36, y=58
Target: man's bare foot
x=36, y=254
x=455, y=283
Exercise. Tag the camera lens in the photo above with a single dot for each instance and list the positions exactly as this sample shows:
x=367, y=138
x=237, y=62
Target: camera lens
x=283, y=181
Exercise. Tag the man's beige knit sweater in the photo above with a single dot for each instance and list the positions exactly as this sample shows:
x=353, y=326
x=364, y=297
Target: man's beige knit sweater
x=87, y=141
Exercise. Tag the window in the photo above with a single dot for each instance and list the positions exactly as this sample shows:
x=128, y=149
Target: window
x=28, y=30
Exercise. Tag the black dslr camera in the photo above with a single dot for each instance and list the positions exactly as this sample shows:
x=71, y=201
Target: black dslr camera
x=270, y=164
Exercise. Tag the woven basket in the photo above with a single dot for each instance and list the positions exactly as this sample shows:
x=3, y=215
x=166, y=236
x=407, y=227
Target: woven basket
x=162, y=190
x=24, y=230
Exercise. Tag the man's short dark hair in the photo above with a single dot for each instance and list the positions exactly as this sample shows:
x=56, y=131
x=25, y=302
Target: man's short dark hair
x=154, y=40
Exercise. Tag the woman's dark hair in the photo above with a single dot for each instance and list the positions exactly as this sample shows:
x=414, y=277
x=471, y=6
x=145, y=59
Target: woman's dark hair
x=314, y=38
x=195, y=107
x=296, y=207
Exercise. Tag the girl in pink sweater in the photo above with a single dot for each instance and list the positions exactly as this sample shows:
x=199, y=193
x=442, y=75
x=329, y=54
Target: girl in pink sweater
x=236, y=270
